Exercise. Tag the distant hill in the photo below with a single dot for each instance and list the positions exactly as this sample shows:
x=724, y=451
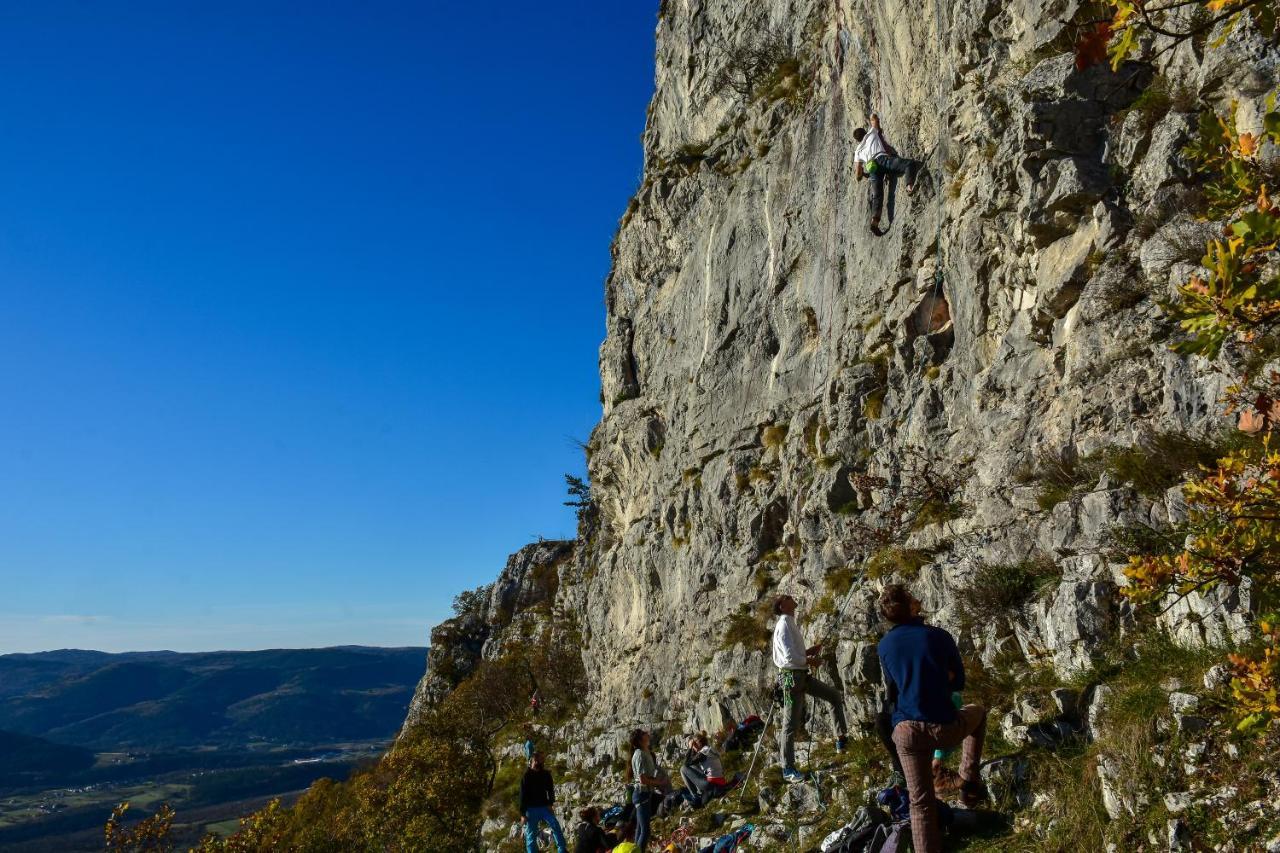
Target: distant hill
x=21, y=754
x=151, y=701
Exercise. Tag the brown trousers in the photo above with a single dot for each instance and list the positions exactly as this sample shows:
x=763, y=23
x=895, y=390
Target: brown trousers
x=916, y=742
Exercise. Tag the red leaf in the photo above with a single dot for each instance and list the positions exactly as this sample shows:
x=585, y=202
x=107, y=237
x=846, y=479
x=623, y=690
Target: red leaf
x=1092, y=47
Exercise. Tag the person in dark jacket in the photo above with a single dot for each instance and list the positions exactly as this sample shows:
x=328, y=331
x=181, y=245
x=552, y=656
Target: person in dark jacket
x=923, y=667
x=589, y=837
x=537, y=796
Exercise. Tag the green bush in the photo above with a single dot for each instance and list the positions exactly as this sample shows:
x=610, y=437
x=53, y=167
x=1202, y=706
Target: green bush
x=748, y=627
x=999, y=590
x=905, y=562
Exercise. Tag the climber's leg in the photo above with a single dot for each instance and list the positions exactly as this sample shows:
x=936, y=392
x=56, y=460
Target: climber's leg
x=916, y=742
x=829, y=694
x=877, y=197
x=792, y=716
x=884, y=729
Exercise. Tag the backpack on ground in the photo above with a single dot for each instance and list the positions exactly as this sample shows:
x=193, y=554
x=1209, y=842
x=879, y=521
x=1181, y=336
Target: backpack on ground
x=729, y=843
x=896, y=801
x=891, y=838
x=743, y=733
x=854, y=836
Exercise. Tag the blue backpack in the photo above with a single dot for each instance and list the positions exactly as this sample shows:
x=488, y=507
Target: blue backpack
x=729, y=843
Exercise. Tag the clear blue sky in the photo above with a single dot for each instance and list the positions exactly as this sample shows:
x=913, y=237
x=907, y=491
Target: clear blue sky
x=300, y=306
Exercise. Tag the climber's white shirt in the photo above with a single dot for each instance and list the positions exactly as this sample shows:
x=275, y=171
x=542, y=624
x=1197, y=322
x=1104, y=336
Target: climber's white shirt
x=788, y=645
x=871, y=147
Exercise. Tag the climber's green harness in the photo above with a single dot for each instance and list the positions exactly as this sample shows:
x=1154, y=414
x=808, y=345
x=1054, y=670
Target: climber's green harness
x=787, y=680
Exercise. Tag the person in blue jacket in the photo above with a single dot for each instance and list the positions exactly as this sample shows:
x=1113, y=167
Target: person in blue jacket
x=923, y=668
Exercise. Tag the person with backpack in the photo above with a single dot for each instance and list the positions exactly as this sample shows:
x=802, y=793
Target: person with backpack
x=589, y=837
x=648, y=780
x=537, y=796
x=923, y=667
x=793, y=661
x=876, y=159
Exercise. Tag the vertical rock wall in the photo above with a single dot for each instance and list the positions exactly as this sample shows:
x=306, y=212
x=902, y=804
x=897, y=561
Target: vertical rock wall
x=764, y=349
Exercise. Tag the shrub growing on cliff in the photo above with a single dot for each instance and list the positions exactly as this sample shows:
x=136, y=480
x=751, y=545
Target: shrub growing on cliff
x=748, y=627
x=757, y=62
x=1001, y=590
x=1228, y=313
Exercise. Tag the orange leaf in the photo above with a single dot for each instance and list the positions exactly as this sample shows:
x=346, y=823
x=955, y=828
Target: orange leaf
x=1092, y=47
x=1250, y=422
x=1248, y=144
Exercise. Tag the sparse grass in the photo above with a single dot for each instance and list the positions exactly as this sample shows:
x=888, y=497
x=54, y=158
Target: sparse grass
x=1161, y=461
x=873, y=405
x=747, y=626
x=1152, y=466
x=1000, y=591
x=824, y=606
x=839, y=581
x=759, y=474
x=773, y=436
x=1124, y=293
x=904, y=562
x=938, y=511
x=763, y=581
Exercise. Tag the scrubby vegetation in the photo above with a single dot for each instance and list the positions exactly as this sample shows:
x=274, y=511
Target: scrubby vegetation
x=999, y=591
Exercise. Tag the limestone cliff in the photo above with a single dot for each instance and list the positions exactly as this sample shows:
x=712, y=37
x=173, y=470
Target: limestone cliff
x=767, y=355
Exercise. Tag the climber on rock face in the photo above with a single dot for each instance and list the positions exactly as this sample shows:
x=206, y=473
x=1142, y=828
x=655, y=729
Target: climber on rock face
x=793, y=661
x=923, y=667
x=876, y=158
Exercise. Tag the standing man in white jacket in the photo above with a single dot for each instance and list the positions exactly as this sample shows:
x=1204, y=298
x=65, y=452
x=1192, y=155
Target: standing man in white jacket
x=793, y=661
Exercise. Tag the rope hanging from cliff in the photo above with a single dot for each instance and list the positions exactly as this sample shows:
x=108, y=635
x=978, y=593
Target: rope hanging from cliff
x=943, y=111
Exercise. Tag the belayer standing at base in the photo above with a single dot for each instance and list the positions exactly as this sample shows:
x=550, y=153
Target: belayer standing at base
x=537, y=796
x=793, y=661
x=923, y=667
x=876, y=158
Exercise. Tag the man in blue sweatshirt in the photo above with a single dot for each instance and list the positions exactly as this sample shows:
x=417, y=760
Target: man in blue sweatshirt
x=923, y=668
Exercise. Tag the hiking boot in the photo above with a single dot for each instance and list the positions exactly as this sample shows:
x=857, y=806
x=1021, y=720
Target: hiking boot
x=973, y=794
x=791, y=776
x=946, y=782
x=842, y=743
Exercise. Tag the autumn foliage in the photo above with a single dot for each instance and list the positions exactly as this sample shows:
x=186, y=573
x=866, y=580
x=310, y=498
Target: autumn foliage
x=1229, y=313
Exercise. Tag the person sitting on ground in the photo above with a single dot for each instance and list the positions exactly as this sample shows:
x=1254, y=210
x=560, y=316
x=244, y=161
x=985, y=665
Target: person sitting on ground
x=589, y=837
x=793, y=661
x=648, y=780
x=923, y=667
x=537, y=796
x=877, y=159
x=703, y=773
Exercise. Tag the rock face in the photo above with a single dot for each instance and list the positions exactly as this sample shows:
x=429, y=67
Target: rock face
x=766, y=353
x=458, y=644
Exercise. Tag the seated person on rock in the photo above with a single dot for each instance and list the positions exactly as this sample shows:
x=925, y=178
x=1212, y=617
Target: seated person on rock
x=590, y=837
x=876, y=158
x=703, y=772
x=923, y=667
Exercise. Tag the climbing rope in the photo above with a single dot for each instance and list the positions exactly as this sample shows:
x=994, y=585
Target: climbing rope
x=746, y=780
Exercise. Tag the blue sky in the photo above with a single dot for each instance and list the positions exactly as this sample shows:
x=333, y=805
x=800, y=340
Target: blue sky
x=300, y=307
